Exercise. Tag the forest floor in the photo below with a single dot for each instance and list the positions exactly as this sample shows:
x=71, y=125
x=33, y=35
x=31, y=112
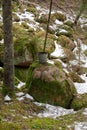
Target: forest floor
x=22, y=113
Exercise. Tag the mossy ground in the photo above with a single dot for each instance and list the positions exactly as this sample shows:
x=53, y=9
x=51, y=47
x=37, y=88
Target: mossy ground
x=16, y=116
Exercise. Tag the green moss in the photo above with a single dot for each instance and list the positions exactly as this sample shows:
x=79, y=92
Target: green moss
x=66, y=42
x=80, y=101
x=32, y=10
x=33, y=47
x=44, y=91
x=20, y=44
x=60, y=16
x=21, y=73
x=42, y=19
x=30, y=74
x=69, y=23
x=24, y=24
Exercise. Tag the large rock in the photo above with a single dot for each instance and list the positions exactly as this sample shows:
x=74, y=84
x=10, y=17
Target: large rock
x=80, y=101
x=49, y=84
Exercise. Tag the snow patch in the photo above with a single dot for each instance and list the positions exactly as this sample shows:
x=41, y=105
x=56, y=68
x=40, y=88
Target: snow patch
x=82, y=87
x=7, y=98
x=20, y=85
x=19, y=94
x=53, y=111
x=58, y=52
x=29, y=96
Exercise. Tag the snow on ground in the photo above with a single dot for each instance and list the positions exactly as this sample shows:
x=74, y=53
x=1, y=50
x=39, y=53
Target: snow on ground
x=80, y=126
x=30, y=18
x=53, y=111
x=58, y=52
x=82, y=87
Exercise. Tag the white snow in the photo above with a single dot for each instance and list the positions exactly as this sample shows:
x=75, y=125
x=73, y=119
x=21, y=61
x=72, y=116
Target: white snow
x=62, y=31
x=20, y=98
x=58, y=22
x=85, y=112
x=50, y=61
x=80, y=126
x=7, y=98
x=58, y=52
x=19, y=94
x=21, y=84
x=82, y=87
x=53, y=111
x=29, y=96
x=26, y=15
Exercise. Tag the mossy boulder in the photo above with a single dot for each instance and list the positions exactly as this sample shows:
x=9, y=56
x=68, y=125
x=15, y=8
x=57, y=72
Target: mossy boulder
x=75, y=77
x=31, y=9
x=22, y=45
x=69, y=22
x=65, y=30
x=66, y=42
x=80, y=101
x=50, y=45
x=49, y=84
x=59, y=15
x=42, y=19
x=68, y=55
x=16, y=18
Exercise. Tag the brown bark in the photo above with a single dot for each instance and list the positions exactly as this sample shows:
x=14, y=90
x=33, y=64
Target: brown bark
x=8, y=46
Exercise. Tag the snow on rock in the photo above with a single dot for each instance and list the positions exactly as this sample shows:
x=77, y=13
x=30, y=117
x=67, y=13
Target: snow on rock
x=20, y=98
x=21, y=84
x=58, y=52
x=62, y=31
x=19, y=94
x=7, y=98
x=81, y=87
x=58, y=22
x=53, y=111
x=50, y=61
x=29, y=96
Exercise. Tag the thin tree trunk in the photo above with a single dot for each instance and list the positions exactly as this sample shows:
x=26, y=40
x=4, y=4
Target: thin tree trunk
x=8, y=46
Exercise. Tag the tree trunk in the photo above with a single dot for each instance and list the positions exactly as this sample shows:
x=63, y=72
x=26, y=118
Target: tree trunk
x=8, y=46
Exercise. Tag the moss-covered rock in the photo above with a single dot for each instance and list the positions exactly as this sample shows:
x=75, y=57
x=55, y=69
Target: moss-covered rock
x=59, y=15
x=49, y=84
x=31, y=9
x=66, y=42
x=16, y=18
x=50, y=45
x=69, y=22
x=21, y=45
x=65, y=30
x=80, y=101
x=42, y=19
x=68, y=55
x=75, y=77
